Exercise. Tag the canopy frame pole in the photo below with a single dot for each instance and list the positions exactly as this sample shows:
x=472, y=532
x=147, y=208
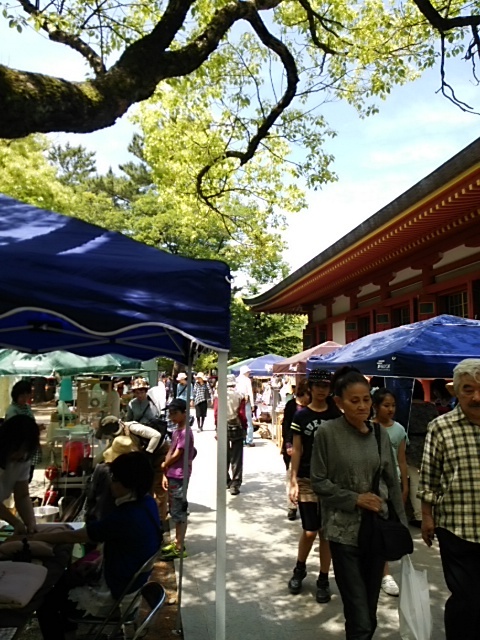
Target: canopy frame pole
x=221, y=521
x=188, y=437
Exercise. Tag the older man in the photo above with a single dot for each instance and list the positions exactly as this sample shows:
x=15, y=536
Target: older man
x=450, y=492
x=244, y=386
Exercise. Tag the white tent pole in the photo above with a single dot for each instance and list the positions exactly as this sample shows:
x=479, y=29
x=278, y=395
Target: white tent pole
x=221, y=525
x=188, y=436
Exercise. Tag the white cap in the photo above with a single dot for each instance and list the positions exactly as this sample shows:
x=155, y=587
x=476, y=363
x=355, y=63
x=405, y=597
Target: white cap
x=244, y=369
x=181, y=376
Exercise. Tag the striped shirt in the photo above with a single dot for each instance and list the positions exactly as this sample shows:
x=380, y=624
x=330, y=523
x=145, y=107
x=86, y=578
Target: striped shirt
x=450, y=474
x=201, y=392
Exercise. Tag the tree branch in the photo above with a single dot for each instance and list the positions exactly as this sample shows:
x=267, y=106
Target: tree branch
x=444, y=24
x=74, y=42
x=33, y=102
x=290, y=67
x=311, y=17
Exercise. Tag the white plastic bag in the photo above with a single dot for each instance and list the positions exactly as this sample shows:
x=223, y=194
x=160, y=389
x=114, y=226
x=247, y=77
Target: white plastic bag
x=414, y=603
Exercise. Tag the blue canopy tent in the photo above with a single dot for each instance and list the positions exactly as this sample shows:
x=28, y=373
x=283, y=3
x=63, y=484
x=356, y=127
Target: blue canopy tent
x=427, y=349
x=72, y=286
x=261, y=367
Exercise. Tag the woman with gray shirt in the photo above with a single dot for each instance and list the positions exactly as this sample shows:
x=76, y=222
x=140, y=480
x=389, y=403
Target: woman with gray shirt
x=344, y=461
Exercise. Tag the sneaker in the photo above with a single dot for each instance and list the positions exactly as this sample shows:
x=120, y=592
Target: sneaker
x=323, y=592
x=173, y=554
x=234, y=491
x=295, y=582
x=292, y=514
x=250, y=444
x=389, y=586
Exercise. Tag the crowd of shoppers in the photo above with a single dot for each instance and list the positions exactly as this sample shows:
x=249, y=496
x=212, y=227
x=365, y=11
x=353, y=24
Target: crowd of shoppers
x=337, y=433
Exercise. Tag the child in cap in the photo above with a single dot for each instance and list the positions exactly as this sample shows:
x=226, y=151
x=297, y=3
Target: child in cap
x=173, y=468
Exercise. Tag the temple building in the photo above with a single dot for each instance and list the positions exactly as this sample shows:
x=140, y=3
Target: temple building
x=416, y=258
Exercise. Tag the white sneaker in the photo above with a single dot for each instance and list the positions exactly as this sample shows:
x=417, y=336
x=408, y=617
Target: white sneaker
x=389, y=586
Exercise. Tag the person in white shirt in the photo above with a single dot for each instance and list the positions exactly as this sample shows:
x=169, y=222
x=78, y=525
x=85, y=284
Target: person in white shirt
x=244, y=386
x=158, y=395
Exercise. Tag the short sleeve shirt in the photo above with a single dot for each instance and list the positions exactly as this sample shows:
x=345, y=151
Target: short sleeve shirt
x=178, y=442
x=305, y=424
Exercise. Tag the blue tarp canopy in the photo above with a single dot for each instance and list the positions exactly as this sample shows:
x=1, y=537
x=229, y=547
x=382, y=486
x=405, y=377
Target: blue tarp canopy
x=72, y=286
x=427, y=349
x=261, y=367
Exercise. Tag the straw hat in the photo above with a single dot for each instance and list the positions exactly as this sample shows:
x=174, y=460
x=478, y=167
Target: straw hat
x=231, y=380
x=121, y=445
x=139, y=383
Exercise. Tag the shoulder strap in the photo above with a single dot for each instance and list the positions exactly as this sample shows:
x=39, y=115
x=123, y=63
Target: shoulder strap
x=145, y=410
x=376, y=477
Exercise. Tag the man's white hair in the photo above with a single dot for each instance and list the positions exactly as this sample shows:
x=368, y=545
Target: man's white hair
x=469, y=366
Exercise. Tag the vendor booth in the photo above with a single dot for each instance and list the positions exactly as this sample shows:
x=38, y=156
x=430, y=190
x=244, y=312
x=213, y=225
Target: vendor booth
x=261, y=367
x=426, y=350
x=68, y=285
x=297, y=365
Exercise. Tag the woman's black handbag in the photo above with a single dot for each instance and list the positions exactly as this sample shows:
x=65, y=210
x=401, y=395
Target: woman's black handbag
x=387, y=538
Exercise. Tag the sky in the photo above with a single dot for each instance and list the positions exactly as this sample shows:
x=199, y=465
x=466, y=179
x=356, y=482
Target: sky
x=376, y=159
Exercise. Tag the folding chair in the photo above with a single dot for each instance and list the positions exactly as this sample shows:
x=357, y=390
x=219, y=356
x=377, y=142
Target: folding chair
x=118, y=616
x=154, y=595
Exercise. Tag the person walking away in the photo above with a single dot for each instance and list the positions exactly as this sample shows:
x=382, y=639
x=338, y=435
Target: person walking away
x=302, y=399
x=244, y=386
x=173, y=468
x=421, y=414
x=449, y=489
x=201, y=397
x=344, y=462
x=304, y=425
x=236, y=427
x=384, y=405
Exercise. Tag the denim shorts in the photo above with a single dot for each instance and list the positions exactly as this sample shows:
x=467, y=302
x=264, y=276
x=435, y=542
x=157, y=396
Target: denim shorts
x=178, y=507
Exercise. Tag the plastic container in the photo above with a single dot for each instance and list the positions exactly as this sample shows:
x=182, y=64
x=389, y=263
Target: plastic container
x=46, y=514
